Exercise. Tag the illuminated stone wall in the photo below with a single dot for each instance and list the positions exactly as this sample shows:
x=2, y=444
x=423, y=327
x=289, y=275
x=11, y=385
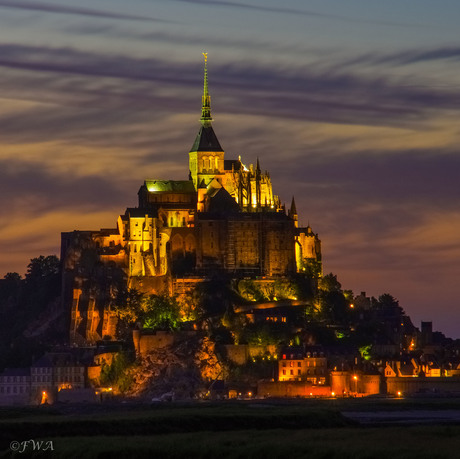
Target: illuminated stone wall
x=413, y=385
x=291, y=389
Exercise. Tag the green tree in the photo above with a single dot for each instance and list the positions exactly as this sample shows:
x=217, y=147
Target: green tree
x=387, y=302
x=116, y=374
x=332, y=303
x=10, y=289
x=312, y=268
x=161, y=312
x=42, y=268
x=329, y=283
x=129, y=308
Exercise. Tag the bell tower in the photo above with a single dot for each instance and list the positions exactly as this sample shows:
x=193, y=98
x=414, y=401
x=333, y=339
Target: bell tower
x=206, y=157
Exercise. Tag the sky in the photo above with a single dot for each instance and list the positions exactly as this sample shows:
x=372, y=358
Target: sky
x=352, y=106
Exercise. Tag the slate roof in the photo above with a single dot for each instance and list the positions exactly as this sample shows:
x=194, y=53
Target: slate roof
x=228, y=163
x=222, y=201
x=206, y=140
x=16, y=372
x=140, y=213
x=178, y=186
x=56, y=359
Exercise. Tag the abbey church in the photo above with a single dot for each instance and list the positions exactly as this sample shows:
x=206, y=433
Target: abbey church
x=223, y=218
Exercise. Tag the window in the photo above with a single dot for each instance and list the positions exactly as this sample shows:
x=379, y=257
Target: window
x=284, y=363
x=284, y=373
x=299, y=372
x=299, y=364
x=292, y=372
x=291, y=363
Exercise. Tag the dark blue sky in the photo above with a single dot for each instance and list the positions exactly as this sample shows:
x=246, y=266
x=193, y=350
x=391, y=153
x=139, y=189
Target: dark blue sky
x=352, y=106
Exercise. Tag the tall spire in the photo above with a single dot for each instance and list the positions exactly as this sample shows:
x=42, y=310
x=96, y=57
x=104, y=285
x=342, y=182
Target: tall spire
x=206, y=99
x=293, y=207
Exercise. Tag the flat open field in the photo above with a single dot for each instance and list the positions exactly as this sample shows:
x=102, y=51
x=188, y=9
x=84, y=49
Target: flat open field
x=253, y=429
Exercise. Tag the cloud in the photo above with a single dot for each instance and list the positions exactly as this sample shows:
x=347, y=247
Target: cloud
x=178, y=36
x=296, y=12
x=32, y=189
x=406, y=57
x=59, y=9
x=90, y=80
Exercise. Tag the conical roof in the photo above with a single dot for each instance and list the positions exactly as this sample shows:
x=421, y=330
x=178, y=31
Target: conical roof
x=206, y=140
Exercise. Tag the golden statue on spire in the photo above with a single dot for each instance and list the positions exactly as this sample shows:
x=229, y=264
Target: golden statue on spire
x=205, y=57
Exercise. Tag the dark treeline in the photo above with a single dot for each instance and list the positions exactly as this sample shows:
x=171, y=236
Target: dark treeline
x=26, y=305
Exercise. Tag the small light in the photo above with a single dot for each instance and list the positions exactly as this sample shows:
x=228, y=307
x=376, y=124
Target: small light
x=333, y=394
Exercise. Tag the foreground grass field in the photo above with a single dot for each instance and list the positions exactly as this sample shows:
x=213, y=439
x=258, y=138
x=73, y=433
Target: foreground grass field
x=312, y=429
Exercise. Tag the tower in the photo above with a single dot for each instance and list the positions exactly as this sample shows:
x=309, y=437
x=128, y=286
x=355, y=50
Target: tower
x=293, y=213
x=206, y=157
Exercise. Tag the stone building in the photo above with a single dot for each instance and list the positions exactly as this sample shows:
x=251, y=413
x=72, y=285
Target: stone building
x=53, y=372
x=224, y=218
x=15, y=386
x=296, y=366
